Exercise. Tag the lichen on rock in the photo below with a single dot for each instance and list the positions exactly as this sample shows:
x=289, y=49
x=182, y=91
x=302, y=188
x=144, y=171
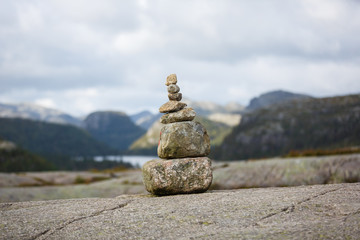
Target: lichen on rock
x=185, y=175
x=183, y=139
x=186, y=114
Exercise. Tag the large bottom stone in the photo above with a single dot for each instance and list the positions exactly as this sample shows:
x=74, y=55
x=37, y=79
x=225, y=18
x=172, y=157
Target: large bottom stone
x=177, y=176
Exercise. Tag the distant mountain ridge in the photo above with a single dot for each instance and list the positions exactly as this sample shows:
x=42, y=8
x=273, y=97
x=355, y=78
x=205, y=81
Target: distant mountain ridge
x=119, y=131
x=145, y=119
x=113, y=128
x=307, y=123
x=203, y=108
x=36, y=112
x=274, y=97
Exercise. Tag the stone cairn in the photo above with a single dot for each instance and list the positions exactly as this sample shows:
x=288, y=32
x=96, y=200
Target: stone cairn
x=183, y=147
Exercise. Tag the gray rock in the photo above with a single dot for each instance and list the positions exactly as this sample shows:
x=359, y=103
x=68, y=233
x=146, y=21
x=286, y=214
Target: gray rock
x=172, y=106
x=173, y=88
x=171, y=79
x=185, y=175
x=226, y=175
x=186, y=114
x=329, y=211
x=183, y=139
x=175, y=96
x=286, y=172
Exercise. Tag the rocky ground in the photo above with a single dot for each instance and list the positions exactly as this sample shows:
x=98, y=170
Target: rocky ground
x=227, y=175
x=29, y=179
x=329, y=211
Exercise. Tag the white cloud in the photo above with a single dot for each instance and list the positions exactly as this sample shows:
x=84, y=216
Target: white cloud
x=30, y=17
x=327, y=10
x=136, y=41
x=86, y=55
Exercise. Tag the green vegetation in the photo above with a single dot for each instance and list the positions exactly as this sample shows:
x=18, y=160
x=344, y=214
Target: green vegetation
x=84, y=163
x=326, y=123
x=58, y=145
x=216, y=130
x=51, y=139
x=16, y=160
x=81, y=180
x=322, y=152
x=147, y=144
x=20, y=160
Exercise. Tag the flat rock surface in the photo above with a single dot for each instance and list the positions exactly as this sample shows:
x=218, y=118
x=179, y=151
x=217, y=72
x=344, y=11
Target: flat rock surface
x=306, y=212
x=49, y=178
x=226, y=175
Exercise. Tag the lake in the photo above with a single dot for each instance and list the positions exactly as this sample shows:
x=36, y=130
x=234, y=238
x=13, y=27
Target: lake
x=133, y=159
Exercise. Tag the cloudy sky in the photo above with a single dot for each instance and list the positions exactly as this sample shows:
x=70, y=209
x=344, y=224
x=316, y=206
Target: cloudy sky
x=82, y=55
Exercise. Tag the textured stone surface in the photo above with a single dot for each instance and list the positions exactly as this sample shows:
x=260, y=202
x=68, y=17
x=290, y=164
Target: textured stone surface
x=171, y=79
x=175, y=96
x=287, y=172
x=186, y=114
x=173, y=88
x=172, y=106
x=185, y=175
x=226, y=175
x=183, y=139
x=330, y=211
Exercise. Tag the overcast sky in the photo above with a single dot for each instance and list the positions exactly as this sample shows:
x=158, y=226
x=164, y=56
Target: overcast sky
x=80, y=55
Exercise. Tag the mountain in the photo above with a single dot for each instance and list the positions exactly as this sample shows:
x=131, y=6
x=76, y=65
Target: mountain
x=307, y=123
x=145, y=119
x=217, y=131
x=217, y=119
x=203, y=108
x=274, y=97
x=228, y=119
x=113, y=128
x=147, y=143
x=229, y=114
x=50, y=138
x=15, y=159
x=35, y=112
x=234, y=107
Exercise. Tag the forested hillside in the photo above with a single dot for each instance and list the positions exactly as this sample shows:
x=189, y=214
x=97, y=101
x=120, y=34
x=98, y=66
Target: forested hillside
x=15, y=159
x=48, y=138
x=323, y=123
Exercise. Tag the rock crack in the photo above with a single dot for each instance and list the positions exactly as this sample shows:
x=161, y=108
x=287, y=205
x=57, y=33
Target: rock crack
x=48, y=232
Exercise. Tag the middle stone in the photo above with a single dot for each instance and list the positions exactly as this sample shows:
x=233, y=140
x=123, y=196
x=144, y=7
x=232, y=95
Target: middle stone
x=183, y=139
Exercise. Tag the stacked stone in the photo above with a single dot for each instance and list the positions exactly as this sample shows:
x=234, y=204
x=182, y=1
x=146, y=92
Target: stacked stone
x=183, y=147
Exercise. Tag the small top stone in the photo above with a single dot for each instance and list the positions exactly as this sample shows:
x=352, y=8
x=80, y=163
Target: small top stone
x=171, y=79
